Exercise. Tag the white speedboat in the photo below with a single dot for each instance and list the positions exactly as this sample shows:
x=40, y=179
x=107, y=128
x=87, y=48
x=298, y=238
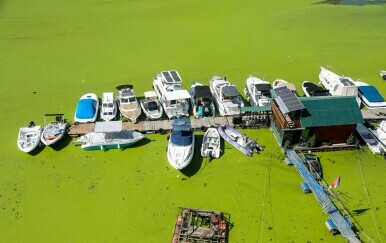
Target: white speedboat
x=151, y=106
x=181, y=144
x=201, y=100
x=383, y=75
x=369, y=138
x=108, y=107
x=128, y=103
x=87, y=108
x=380, y=133
x=258, y=92
x=311, y=90
x=29, y=137
x=174, y=99
x=109, y=135
x=282, y=83
x=211, y=143
x=338, y=85
x=55, y=130
x=226, y=96
x=370, y=96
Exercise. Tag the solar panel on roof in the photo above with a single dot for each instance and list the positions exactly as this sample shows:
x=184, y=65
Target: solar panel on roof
x=289, y=99
x=175, y=76
x=167, y=77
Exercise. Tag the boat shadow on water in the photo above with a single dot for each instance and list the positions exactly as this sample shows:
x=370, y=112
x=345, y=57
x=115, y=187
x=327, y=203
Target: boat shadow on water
x=64, y=142
x=140, y=143
x=195, y=165
x=37, y=150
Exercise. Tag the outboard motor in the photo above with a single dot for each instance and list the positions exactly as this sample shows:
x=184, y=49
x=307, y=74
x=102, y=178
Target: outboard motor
x=384, y=77
x=31, y=124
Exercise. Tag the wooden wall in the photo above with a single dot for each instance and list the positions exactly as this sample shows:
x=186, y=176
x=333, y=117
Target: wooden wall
x=334, y=134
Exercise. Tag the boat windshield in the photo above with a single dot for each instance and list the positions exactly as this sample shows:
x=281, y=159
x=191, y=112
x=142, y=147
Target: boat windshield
x=181, y=138
x=132, y=99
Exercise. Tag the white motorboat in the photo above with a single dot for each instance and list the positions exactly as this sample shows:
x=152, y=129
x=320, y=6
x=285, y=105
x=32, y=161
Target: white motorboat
x=226, y=96
x=383, y=75
x=211, y=143
x=29, y=137
x=181, y=144
x=174, y=99
x=87, y=109
x=369, y=138
x=282, y=83
x=109, y=107
x=151, y=106
x=370, y=96
x=380, y=133
x=128, y=103
x=311, y=89
x=55, y=130
x=258, y=92
x=338, y=85
x=109, y=135
x=201, y=100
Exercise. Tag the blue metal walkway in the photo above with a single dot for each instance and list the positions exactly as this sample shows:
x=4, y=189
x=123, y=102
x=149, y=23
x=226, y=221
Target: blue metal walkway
x=323, y=199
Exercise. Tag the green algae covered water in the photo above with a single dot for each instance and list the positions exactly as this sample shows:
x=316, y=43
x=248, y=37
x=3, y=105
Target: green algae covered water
x=52, y=52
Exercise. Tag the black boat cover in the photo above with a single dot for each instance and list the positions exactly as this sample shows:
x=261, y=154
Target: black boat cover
x=202, y=92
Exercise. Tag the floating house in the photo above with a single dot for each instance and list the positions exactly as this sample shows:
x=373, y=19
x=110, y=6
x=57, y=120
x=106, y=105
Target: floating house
x=313, y=121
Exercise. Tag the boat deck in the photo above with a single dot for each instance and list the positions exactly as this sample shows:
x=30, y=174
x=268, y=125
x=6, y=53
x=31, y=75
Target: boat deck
x=370, y=140
x=152, y=126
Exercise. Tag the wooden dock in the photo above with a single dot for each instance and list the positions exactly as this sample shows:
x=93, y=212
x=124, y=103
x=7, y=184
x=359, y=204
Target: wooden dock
x=374, y=114
x=160, y=126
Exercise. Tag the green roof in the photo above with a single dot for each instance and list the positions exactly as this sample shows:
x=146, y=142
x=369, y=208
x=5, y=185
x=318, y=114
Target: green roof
x=256, y=108
x=330, y=111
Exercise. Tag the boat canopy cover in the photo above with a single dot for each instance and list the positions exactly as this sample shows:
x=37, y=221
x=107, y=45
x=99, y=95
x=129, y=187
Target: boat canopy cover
x=202, y=92
x=111, y=126
x=177, y=95
x=86, y=109
x=182, y=134
x=371, y=93
x=230, y=91
x=263, y=87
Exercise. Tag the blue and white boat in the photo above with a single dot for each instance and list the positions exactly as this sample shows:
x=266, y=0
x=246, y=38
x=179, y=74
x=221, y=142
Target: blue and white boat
x=370, y=96
x=181, y=144
x=87, y=108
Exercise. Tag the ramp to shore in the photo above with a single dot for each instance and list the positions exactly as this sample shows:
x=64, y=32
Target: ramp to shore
x=322, y=197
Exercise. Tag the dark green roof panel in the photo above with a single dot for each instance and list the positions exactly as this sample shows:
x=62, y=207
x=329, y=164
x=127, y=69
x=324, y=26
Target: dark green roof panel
x=330, y=111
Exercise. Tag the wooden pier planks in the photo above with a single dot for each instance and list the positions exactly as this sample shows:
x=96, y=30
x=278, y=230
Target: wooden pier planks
x=153, y=126
x=374, y=114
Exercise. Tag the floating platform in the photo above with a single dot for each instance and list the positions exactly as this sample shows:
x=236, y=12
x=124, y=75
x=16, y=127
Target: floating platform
x=197, y=225
x=161, y=126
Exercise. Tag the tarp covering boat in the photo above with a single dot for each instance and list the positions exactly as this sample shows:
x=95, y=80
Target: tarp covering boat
x=371, y=93
x=86, y=109
x=202, y=91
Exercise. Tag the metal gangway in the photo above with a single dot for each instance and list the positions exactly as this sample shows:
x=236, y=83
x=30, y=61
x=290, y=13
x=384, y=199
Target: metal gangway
x=323, y=199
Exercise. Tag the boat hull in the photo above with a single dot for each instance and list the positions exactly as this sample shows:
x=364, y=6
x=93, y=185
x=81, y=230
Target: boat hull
x=90, y=147
x=239, y=140
x=29, y=138
x=211, y=144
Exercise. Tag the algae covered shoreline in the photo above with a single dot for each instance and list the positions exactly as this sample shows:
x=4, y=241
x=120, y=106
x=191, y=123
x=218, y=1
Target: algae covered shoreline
x=54, y=52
